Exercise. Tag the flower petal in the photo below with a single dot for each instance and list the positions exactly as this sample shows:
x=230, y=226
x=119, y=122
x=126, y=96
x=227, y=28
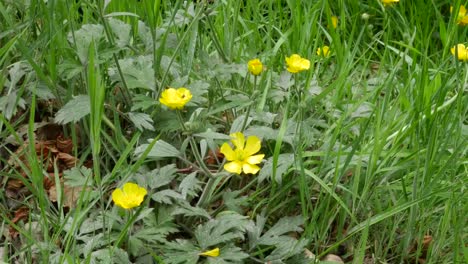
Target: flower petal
x=130, y=188
x=233, y=167
x=238, y=140
x=118, y=197
x=175, y=98
x=210, y=253
x=252, y=146
x=227, y=151
x=249, y=168
x=129, y=196
x=256, y=159
x=334, y=20
x=305, y=64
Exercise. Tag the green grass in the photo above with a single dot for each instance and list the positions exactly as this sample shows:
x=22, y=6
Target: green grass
x=365, y=152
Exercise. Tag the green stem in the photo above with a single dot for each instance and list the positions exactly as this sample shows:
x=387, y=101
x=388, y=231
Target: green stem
x=247, y=113
x=196, y=153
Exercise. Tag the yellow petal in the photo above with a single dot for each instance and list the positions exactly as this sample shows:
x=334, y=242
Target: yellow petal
x=389, y=2
x=175, y=98
x=184, y=95
x=238, y=140
x=460, y=51
x=462, y=10
x=253, y=146
x=210, y=253
x=255, y=66
x=130, y=188
x=118, y=197
x=233, y=167
x=227, y=151
x=334, y=20
x=305, y=64
x=463, y=21
x=292, y=70
x=250, y=168
x=255, y=159
x=323, y=51
x=296, y=64
x=131, y=195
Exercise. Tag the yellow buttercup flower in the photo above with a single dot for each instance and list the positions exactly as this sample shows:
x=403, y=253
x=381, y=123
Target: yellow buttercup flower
x=334, y=20
x=255, y=66
x=131, y=195
x=324, y=51
x=175, y=98
x=210, y=253
x=389, y=2
x=297, y=64
x=461, y=51
x=242, y=158
x=462, y=17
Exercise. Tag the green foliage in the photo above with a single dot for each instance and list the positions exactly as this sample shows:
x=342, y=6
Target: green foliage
x=74, y=110
x=365, y=152
x=141, y=120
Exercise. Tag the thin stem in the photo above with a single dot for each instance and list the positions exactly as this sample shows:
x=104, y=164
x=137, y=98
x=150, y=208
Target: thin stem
x=247, y=113
x=196, y=153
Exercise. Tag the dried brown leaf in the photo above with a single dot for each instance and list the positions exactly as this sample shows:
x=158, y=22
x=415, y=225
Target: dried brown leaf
x=70, y=195
x=64, y=144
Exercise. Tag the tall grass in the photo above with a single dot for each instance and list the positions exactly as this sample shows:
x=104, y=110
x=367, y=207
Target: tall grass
x=375, y=133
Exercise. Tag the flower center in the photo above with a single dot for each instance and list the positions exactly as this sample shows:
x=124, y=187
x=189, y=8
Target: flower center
x=240, y=155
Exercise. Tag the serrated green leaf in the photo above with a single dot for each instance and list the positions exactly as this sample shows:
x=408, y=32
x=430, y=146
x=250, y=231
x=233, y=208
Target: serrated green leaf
x=142, y=102
x=94, y=242
x=138, y=72
x=135, y=246
x=42, y=91
x=83, y=37
x=238, y=123
x=78, y=176
x=166, y=196
x=115, y=256
x=288, y=248
x=121, y=31
x=233, y=202
x=141, y=121
x=9, y=104
x=199, y=89
x=161, y=149
x=144, y=33
x=283, y=226
x=190, y=185
x=275, y=235
x=228, y=226
x=69, y=69
x=16, y=72
x=154, y=234
x=272, y=134
x=284, y=81
x=74, y=110
x=209, y=134
x=184, y=208
x=90, y=225
x=181, y=251
x=285, y=161
x=157, y=177
x=144, y=213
